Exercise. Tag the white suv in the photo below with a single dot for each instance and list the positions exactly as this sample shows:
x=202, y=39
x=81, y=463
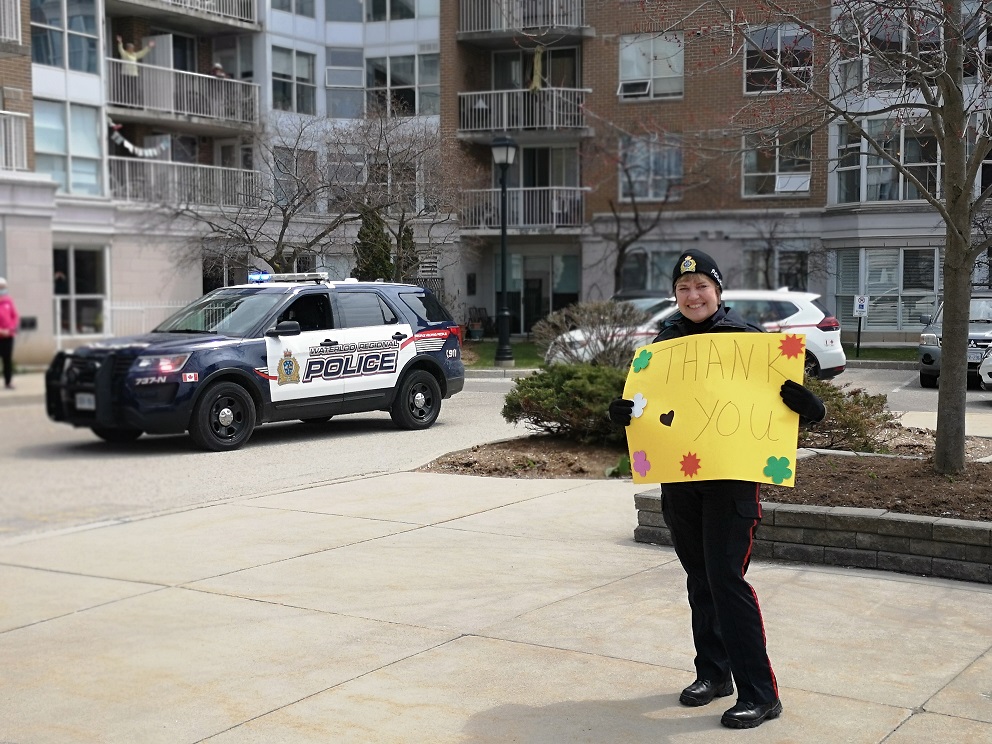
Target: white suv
x=778, y=311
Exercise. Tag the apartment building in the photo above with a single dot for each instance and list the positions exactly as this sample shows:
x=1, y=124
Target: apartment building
x=116, y=110
x=630, y=121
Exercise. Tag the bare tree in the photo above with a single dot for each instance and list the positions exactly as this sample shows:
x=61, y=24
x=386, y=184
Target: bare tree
x=313, y=179
x=644, y=198
x=866, y=69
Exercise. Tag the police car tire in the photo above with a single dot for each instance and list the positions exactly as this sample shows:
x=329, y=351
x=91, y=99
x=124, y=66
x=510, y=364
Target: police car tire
x=116, y=436
x=418, y=401
x=207, y=427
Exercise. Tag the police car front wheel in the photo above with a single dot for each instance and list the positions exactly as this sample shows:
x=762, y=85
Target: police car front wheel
x=224, y=417
x=418, y=401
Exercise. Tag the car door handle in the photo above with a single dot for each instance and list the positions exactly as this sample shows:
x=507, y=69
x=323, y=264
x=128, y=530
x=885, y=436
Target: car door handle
x=328, y=342
x=398, y=336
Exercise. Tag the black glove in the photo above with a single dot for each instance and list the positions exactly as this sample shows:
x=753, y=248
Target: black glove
x=620, y=411
x=802, y=401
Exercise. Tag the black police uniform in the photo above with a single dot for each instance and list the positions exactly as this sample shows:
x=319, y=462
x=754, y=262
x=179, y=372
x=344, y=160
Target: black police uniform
x=712, y=524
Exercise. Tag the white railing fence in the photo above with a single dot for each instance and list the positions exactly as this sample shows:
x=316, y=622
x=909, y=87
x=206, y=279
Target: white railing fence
x=163, y=182
x=531, y=207
x=98, y=316
x=545, y=108
x=141, y=86
x=10, y=21
x=238, y=10
x=132, y=318
x=13, y=141
x=516, y=15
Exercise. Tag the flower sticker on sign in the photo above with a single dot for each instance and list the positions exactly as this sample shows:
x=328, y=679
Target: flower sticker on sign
x=709, y=408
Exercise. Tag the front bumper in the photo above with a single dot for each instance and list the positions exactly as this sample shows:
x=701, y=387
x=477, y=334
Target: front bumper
x=95, y=391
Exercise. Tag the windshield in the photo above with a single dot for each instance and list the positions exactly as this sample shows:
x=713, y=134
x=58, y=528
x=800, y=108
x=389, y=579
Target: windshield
x=981, y=310
x=230, y=312
x=650, y=304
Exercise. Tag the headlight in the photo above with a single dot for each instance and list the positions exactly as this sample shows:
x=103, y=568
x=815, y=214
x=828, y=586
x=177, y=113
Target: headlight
x=162, y=364
x=929, y=339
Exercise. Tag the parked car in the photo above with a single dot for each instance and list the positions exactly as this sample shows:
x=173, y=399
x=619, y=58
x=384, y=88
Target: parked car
x=648, y=300
x=779, y=311
x=979, y=339
x=985, y=370
x=283, y=347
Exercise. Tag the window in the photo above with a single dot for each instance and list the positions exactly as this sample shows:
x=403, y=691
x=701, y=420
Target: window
x=911, y=144
x=901, y=284
x=773, y=50
x=651, y=66
x=345, y=174
x=360, y=309
x=294, y=87
x=80, y=289
x=904, y=47
x=394, y=184
x=774, y=263
x=776, y=164
x=296, y=178
x=299, y=7
x=65, y=30
x=345, y=81
x=403, y=86
x=68, y=146
x=389, y=10
x=650, y=169
x=348, y=11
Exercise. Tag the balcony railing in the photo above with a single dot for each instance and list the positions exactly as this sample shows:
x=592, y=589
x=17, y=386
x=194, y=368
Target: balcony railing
x=545, y=108
x=529, y=207
x=176, y=184
x=520, y=15
x=162, y=89
x=10, y=21
x=13, y=141
x=237, y=10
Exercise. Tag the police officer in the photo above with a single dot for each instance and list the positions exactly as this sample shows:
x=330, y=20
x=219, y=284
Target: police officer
x=712, y=524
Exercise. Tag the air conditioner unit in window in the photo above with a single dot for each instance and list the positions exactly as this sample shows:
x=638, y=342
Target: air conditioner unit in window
x=634, y=89
x=792, y=183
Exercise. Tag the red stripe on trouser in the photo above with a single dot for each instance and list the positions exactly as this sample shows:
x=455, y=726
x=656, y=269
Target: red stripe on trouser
x=757, y=605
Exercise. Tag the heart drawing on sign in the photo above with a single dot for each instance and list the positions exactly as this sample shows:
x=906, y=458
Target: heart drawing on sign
x=667, y=418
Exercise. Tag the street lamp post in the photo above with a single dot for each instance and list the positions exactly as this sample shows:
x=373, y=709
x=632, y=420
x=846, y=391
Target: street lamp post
x=504, y=150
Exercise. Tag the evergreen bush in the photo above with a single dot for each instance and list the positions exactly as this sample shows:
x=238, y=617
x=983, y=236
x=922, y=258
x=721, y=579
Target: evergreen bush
x=570, y=401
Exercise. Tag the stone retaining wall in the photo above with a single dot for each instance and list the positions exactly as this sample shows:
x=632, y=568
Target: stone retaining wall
x=862, y=538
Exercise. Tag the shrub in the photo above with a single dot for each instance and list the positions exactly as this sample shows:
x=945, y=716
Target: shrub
x=591, y=332
x=568, y=400
x=854, y=421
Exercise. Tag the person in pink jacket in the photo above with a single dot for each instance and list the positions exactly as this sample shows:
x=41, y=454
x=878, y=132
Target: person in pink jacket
x=9, y=320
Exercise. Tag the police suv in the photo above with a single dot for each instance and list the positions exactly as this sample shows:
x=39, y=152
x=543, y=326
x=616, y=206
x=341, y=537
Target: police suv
x=283, y=347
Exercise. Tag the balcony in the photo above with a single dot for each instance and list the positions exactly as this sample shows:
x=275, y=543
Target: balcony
x=197, y=16
x=13, y=141
x=10, y=21
x=538, y=208
x=178, y=184
x=485, y=17
x=548, y=109
x=149, y=92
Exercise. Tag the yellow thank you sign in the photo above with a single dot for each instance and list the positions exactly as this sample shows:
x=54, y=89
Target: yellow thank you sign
x=707, y=407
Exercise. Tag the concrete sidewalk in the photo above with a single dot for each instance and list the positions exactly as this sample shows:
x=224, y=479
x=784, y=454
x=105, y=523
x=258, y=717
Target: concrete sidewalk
x=417, y=607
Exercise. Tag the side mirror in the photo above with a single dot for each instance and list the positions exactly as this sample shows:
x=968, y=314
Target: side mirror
x=284, y=328
x=925, y=319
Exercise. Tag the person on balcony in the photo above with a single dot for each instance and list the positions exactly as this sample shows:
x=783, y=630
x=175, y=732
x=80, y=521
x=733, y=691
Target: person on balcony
x=131, y=89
